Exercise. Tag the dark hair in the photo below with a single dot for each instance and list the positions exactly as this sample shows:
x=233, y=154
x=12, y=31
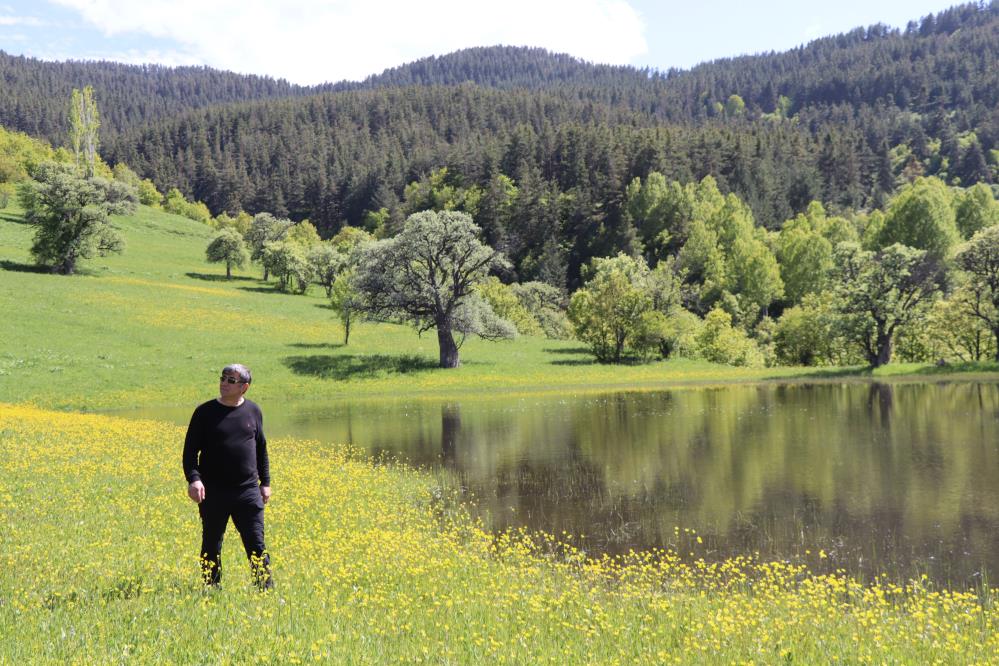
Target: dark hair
x=239, y=369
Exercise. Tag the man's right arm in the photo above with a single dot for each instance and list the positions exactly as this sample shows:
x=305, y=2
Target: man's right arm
x=192, y=446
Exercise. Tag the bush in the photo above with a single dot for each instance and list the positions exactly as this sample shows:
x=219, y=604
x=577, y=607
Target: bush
x=547, y=305
x=719, y=342
x=506, y=305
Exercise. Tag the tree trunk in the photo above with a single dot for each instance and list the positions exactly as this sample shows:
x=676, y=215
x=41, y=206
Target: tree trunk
x=66, y=266
x=449, y=350
x=228, y=271
x=995, y=334
x=884, y=351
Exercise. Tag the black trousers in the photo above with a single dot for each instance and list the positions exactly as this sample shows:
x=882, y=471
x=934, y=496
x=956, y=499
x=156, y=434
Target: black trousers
x=246, y=508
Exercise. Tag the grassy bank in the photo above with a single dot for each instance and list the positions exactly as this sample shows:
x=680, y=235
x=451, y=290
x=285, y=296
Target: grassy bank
x=374, y=565
x=153, y=326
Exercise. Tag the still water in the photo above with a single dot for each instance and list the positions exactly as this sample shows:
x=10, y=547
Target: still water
x=875, y=478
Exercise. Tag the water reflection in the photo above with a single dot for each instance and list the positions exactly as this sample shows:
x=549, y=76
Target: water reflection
x=878, y=477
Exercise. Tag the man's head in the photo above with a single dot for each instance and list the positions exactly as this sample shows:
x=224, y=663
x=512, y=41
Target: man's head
x=234, y=381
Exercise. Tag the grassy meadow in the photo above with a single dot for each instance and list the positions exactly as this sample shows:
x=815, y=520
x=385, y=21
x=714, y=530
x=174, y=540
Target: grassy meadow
x=374, y=562
x=152, y=327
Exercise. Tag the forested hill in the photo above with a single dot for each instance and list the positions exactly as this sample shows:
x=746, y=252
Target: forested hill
x=504, y=67
x=34, y=94
x=947, y=61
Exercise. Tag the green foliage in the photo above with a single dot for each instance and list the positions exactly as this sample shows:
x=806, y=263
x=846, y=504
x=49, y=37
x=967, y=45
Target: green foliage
x=264, y=229
x=441, y=191
x=375, y=222
x=882, y=292
x=921, y=216
x=227, y=247
x=148, y=194
x=870, y=226
x=121, y=172
x=975, y=209
x=174, y=202
x=427, y=276
x=504, y=302
x=241, y=222
x=304, y=234
x=20, y=154
x=624, y=307
x=349, y=238
x=661, y=211
x=84, y=120
x=679, y=335
x=727, y=255
x=734, y=106
x=289, y=264
x=547, y=305
x=326, y=263
x=979, y=259
x=805, y=250
x=719, y=342
x=806, y=334
x=953, y=332
x=72, y=215
x=346, y=301
x=7, y=191
x=805, y=261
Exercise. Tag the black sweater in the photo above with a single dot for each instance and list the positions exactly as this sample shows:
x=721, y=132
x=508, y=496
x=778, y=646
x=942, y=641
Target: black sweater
x=231, y=444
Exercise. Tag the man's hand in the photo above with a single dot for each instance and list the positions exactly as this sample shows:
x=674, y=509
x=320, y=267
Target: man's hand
x=265, y=493
x=196, y=491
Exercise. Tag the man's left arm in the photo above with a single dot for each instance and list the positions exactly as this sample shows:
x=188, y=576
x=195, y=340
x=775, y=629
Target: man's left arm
x=263, y=462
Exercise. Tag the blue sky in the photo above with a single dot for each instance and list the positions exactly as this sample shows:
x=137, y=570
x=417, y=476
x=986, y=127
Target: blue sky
x=312, y=41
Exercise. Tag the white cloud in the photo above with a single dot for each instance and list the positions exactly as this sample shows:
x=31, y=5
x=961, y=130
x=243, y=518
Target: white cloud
x=814, y=30
x=28, y=21
x=312, y=41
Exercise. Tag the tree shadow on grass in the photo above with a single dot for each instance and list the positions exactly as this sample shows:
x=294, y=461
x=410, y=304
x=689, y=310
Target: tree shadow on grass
x=273, y=289
x=317, y=345
x=12, y=217
x=576, y=361
x=220, y=277
x=344, y=367
x=24, y=268
x=567, y=350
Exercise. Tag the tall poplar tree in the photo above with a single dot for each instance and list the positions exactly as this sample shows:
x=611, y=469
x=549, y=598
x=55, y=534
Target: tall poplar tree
x=84, y=121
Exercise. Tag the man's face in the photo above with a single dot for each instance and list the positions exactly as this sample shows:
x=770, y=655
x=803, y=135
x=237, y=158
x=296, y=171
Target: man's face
x=229, y=389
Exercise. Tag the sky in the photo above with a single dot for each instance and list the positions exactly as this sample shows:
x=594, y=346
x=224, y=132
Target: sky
x=315, y=41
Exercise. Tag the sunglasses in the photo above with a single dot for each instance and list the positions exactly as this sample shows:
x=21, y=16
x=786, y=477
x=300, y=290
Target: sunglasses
x=230, y=380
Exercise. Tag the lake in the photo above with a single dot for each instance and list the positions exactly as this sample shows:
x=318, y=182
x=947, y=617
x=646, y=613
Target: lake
x=898, y=478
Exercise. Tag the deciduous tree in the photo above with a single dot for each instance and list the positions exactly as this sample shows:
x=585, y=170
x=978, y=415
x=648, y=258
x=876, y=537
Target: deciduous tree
x=72, y=215
x=427, y=276
x=879, y=292
x=979, y=258
x=227, y=247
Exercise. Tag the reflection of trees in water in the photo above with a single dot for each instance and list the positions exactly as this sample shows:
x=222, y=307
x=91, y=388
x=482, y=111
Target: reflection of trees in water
x=874, y=471
x=880, y=400
x=450, y=429
x=898, y=471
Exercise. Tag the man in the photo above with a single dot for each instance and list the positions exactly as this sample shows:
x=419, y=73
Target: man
x=228, y=474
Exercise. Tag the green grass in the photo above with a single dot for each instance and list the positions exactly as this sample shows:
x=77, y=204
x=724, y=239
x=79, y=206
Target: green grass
x=154, y=325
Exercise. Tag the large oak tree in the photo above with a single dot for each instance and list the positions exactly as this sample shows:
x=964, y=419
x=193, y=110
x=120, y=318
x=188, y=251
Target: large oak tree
x=426, y=276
